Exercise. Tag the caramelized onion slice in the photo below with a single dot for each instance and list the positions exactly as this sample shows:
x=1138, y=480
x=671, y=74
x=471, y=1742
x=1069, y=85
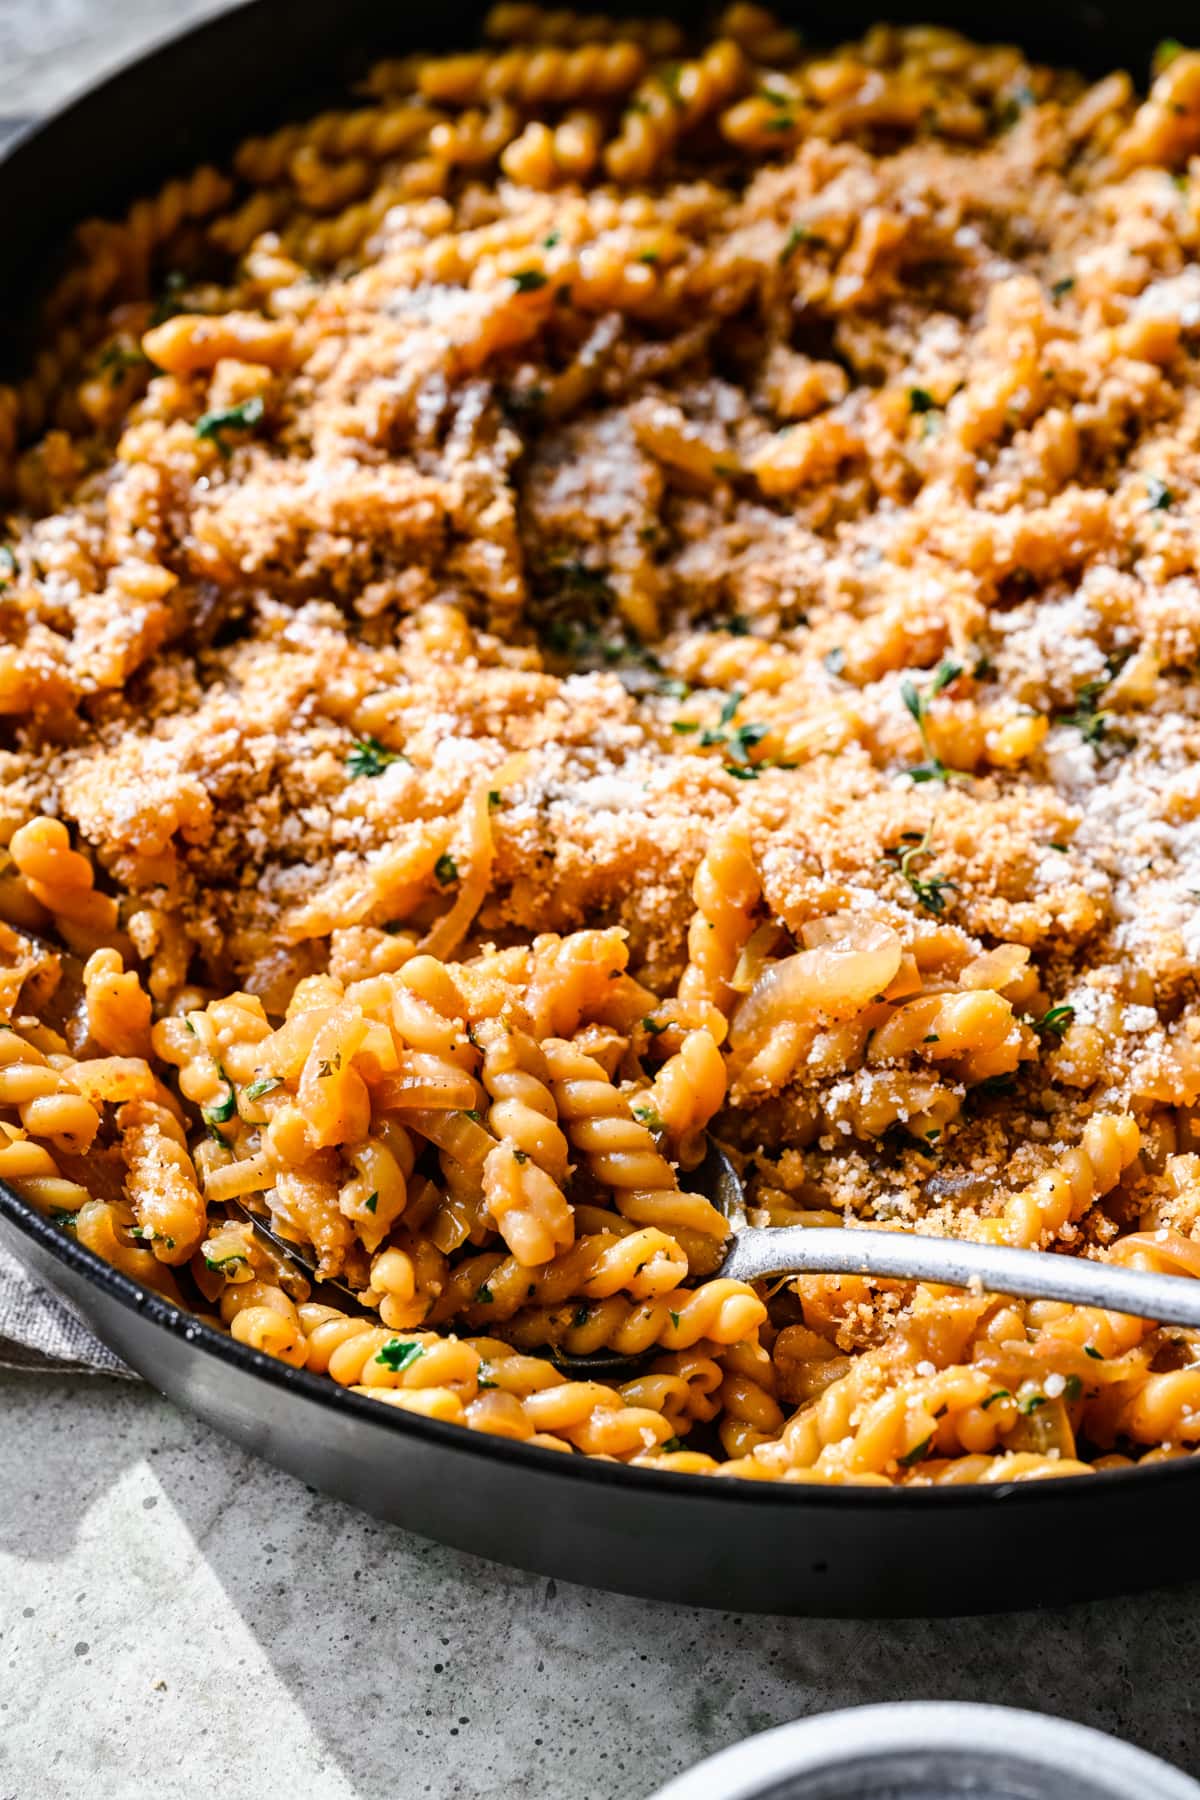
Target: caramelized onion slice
x=849, y=961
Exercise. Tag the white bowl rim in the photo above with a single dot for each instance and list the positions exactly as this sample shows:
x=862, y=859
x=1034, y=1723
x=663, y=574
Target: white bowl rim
x=805, y=1746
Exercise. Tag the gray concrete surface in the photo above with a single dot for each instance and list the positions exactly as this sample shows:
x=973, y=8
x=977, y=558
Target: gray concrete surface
x=177, y=1619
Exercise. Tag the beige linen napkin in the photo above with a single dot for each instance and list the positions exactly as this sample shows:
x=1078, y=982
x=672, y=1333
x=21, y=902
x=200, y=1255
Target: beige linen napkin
x=38, y=1331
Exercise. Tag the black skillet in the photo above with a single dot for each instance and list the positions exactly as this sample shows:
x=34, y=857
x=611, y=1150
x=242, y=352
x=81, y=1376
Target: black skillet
x=739, y=1545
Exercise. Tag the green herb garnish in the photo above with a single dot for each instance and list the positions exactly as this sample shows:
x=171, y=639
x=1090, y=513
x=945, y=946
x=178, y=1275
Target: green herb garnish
x=917, y=704
x=115, y=358
x=266, y=1084
x=929, y=890
x=1000, y=1394
x=445, y=869
x=369, y=757
x=799, y=234
x=221, y=1110
x=1054, y=1021
x=398, y=1356
x=917, y=1454
x=1087, y=717
x=528, y=281
x=229, y=418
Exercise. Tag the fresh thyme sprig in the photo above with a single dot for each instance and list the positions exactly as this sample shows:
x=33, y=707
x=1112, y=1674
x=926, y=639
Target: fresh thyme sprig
x=917, y=704
x=930, y=890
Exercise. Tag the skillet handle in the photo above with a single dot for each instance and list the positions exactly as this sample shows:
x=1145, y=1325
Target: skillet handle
x=760, y=1254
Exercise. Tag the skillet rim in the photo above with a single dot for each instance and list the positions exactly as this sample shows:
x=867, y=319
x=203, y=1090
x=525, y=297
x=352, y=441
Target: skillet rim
x=204, y=1339
x=164, y=1315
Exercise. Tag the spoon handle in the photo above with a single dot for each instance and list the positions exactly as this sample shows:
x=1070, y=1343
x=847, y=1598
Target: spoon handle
x=758, y=1254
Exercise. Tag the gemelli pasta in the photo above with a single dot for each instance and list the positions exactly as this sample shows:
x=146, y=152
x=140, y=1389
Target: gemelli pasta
x=627, y=584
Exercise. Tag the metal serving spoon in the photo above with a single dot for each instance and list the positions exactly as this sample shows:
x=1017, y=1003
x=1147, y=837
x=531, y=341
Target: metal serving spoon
x=756, y=1253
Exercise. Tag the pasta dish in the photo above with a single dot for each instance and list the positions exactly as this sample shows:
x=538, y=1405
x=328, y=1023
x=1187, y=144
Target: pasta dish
x=622, y=585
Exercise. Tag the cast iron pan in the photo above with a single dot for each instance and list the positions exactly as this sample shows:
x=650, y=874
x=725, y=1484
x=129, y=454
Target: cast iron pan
x=739, y=1545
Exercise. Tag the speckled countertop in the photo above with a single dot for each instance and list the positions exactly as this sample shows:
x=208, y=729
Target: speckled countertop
x=176, y=1618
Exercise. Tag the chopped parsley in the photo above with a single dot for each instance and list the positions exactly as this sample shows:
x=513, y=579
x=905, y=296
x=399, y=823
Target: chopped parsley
x=674, y=1318
x=1031, y=1403
x=221, y=1110
x=484, y=1295
x=917, y=1454
x=799, y=234
x=648, y=1116
x=1061, y=288
x=241, y=417
x=372, y=1201
x=398, y=1356
x=671, y=1444
x=369, y=757
x=1054, y=1021
x=217, y=1263
x=528, y=281
x=445, y=869
x=920, y=400
x=266, y=1084
x=1159, y=495
x=1091, y=1350
x=60, y=1216
x=653, y=1027
x=1072, y=1389
x=115, y=358
x=494, y=799
x=1000, y=1394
